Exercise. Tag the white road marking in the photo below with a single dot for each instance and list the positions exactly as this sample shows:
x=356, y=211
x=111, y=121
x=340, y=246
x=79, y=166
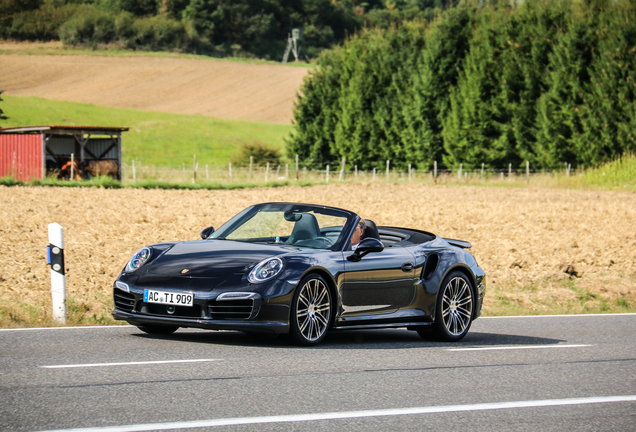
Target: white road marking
x=353, y=414
x=127, y=363
x=516, y=347
x=558, y=316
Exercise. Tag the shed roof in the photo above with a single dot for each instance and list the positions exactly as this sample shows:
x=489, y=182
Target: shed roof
x=65, y=130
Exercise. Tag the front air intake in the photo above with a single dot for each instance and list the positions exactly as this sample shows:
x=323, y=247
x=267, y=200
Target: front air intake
x=231, y=309
x=124, y=301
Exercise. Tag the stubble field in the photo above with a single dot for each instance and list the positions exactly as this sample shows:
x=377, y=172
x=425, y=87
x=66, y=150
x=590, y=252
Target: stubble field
x=544, y=250
x=209, y=87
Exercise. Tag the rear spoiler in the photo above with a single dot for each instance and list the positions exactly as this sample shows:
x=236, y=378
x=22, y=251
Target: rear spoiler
x=459, y=243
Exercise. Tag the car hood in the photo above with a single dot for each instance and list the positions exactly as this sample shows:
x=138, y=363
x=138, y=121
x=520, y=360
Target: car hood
x=213, y=258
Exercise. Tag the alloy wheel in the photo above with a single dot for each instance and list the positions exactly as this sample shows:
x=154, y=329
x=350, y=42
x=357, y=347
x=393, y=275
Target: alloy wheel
x=457, y=306
x=313, y=310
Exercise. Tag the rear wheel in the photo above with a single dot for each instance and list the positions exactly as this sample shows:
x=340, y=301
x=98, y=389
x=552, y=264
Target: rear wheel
x=311, y=311
x=158, y=329
x=455, y=306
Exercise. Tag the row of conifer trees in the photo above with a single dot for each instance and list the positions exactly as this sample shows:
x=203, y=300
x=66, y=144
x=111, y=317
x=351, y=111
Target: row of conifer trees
x=549, y=82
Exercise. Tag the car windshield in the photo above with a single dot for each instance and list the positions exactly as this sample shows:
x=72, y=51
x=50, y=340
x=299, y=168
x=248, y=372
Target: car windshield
x=303, y=225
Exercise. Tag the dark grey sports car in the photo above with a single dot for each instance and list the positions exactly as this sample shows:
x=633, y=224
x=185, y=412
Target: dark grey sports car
x=291, y=268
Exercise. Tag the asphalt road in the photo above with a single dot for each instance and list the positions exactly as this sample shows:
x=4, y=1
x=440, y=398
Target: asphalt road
x=522, y=373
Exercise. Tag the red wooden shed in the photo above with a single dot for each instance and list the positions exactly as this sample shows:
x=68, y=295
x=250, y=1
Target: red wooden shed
x=28, y=153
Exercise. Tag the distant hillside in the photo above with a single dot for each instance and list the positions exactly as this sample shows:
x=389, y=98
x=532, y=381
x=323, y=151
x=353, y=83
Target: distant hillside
x=209, y=87
x=221, y=28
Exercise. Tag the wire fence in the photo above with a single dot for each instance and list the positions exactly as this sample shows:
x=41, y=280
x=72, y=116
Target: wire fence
x=137, y=172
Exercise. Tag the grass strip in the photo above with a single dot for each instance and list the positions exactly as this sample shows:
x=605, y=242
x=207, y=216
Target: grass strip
x=108, y=183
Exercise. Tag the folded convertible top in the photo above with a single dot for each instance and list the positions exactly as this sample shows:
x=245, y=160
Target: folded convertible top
x=459, y=243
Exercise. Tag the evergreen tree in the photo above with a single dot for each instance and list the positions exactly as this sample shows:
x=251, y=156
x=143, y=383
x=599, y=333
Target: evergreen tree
x=608, y=114
x=559, y=107
x=476, y=129
x=447, y=44
x=316, y=112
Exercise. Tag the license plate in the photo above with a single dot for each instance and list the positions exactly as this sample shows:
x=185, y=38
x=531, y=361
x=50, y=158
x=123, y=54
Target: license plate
x=170, y=298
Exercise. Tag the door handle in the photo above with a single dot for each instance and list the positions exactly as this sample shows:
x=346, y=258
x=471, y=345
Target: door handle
x=407, y=267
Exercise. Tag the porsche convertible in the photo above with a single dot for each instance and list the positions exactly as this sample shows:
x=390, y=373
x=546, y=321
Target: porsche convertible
x=290, y=268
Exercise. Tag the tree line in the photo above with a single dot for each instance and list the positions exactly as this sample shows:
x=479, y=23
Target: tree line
x=549, y=82
x=247, y=28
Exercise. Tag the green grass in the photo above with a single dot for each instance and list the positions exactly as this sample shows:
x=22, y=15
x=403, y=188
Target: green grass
x=108, y=183
x=155, y=139
x=619, y=174
x=509, y=299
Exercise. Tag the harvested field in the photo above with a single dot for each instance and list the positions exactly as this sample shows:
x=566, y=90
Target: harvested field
x=209, y=87
x=544, y=250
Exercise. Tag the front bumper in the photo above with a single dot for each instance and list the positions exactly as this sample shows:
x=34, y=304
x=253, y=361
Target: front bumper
x=215, y=310
x=210, y=324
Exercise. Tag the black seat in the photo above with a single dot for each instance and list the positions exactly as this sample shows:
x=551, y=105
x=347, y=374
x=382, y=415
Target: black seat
x=306, y=228
x=370, y=230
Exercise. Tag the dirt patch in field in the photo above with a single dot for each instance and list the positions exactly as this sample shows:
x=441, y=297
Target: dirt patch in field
x=209, y=87
x=544, y=250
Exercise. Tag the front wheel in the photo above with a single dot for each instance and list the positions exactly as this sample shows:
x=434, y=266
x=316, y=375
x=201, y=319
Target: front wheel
x=158, y=329
x=311, y=311
x=455, y=306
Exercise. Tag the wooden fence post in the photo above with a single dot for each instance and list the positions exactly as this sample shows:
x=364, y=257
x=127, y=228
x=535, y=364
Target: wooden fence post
x=435, y=172
x=342, y=169
x=296, y=167
x=327, y=173
x=388, y=163
x=459, y=173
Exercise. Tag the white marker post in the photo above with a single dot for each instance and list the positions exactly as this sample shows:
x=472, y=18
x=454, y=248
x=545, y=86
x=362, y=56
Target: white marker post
x=55, y=258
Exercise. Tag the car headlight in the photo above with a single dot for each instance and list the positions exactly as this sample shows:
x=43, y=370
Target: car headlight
x=265, y=270
x=139, y=258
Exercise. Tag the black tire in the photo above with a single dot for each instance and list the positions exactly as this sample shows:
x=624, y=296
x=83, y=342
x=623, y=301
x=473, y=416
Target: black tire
x=158, y=329
x=455, y=308
x=311, y=311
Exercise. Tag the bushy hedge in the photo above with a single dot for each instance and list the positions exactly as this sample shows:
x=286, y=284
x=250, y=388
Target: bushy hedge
x=92, y=25
x=42, y=23
x=551, y=82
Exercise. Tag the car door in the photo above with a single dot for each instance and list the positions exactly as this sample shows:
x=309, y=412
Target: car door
x=381, y=282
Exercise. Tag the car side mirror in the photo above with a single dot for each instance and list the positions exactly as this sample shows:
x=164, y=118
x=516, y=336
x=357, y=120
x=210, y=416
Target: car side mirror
x=207, y=232
x=365, y=247
x=370, y=244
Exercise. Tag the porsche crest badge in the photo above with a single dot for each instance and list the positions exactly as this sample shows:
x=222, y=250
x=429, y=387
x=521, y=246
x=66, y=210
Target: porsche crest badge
x=184, y=271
